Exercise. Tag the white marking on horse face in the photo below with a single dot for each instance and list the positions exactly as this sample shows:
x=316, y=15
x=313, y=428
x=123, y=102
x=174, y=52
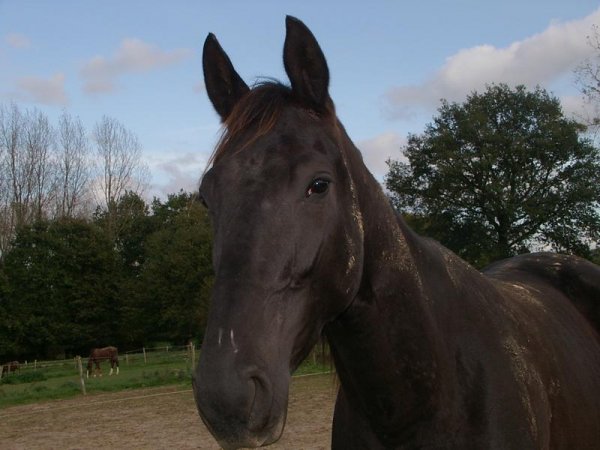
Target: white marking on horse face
x=232, y=339
x=220, y=335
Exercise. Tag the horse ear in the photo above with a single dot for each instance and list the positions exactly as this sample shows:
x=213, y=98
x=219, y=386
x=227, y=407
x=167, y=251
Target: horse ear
x=305, y=65
x=223, y=84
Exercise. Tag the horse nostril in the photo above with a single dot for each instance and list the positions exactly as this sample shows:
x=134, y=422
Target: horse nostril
x=260, y=411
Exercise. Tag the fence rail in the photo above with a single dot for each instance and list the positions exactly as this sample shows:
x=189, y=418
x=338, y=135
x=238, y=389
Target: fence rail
x=144, y=355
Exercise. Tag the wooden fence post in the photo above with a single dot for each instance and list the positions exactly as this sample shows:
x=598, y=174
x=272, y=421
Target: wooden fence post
x=144, y=351
x=81, y=380
x=127, y=358
x=193, y=348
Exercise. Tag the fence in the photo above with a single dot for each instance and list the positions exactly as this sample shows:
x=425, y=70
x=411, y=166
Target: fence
x=78, y=365
x=161, y=354
x=27, y=366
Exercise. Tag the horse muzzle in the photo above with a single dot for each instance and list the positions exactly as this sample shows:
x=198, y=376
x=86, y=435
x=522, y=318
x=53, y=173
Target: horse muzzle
x=241, y=408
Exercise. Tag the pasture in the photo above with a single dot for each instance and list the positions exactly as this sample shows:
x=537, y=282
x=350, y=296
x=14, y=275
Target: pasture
x=144, y=368
x=150, y=418
x=48, y=380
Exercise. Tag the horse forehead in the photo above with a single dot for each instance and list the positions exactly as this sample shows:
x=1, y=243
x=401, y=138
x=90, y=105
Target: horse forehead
x=279, y=156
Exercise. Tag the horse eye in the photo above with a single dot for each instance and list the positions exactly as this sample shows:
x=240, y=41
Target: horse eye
x=318, y=186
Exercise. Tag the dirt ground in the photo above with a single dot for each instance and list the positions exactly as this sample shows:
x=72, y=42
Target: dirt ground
x=160, y=418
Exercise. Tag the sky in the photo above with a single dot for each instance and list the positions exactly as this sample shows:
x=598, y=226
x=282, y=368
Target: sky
x=390, y=63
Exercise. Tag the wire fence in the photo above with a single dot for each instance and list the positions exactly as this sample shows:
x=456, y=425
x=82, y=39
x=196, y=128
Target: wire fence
x=142, y=356
x=157, y=355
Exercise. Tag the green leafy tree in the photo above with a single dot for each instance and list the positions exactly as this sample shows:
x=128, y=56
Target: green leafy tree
x=61, y=289
x=500, y=174
x=176, y=278
x=132, y=216
x=134, y=226
x=7, y=323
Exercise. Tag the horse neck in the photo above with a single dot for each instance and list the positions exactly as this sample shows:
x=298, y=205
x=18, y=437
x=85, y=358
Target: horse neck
x=384, y=345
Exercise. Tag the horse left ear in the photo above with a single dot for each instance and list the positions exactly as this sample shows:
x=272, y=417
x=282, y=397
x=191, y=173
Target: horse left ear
x=223, y=84
x=306, y=66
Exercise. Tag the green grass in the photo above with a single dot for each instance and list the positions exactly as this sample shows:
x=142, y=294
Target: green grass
x=60, y=382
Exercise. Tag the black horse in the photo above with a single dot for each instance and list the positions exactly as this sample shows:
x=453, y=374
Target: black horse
x=430, y=353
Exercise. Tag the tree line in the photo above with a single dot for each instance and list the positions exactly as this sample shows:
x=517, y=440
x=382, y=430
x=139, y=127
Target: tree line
x=52, y=171
x=85, y=261
x=137, y=275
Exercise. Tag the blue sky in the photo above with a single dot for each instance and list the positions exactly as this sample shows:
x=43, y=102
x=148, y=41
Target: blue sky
x=390, y=63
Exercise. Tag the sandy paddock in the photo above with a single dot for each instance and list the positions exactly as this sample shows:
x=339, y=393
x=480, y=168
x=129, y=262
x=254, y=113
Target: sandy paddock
x=159, y=418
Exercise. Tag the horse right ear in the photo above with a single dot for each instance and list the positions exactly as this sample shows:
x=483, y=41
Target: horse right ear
x=223, y=84
x=306, y=66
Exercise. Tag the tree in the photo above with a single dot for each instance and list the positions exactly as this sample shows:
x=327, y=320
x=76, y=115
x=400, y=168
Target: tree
x=7, y=343
x=10, y=123
x=73, y=172
x=500, y=174
x=39, y=171
x=588, y=80
x=62, y=293
x=133, y=227
x=26, y=170
x=121, y=168
x=177, y=276
x=46, y=172
x=11, y=131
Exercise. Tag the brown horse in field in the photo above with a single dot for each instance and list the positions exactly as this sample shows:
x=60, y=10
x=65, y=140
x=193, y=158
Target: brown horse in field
x=9, y=367
x=103, y=354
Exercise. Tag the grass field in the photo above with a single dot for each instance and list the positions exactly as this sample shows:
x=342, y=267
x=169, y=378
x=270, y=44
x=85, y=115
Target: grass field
x=59, y=380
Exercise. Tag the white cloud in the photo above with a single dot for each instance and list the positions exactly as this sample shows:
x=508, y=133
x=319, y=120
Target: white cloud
x=178, y=171
x=17, y=40
x=47, y=91
x=377, y=150
x=537, y=60
x=134, y=55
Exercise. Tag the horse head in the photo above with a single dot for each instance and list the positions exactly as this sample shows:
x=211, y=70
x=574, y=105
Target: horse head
x=287, y=249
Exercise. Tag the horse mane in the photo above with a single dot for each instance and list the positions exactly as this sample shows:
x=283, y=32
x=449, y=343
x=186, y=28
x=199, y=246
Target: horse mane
x=258, y=110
